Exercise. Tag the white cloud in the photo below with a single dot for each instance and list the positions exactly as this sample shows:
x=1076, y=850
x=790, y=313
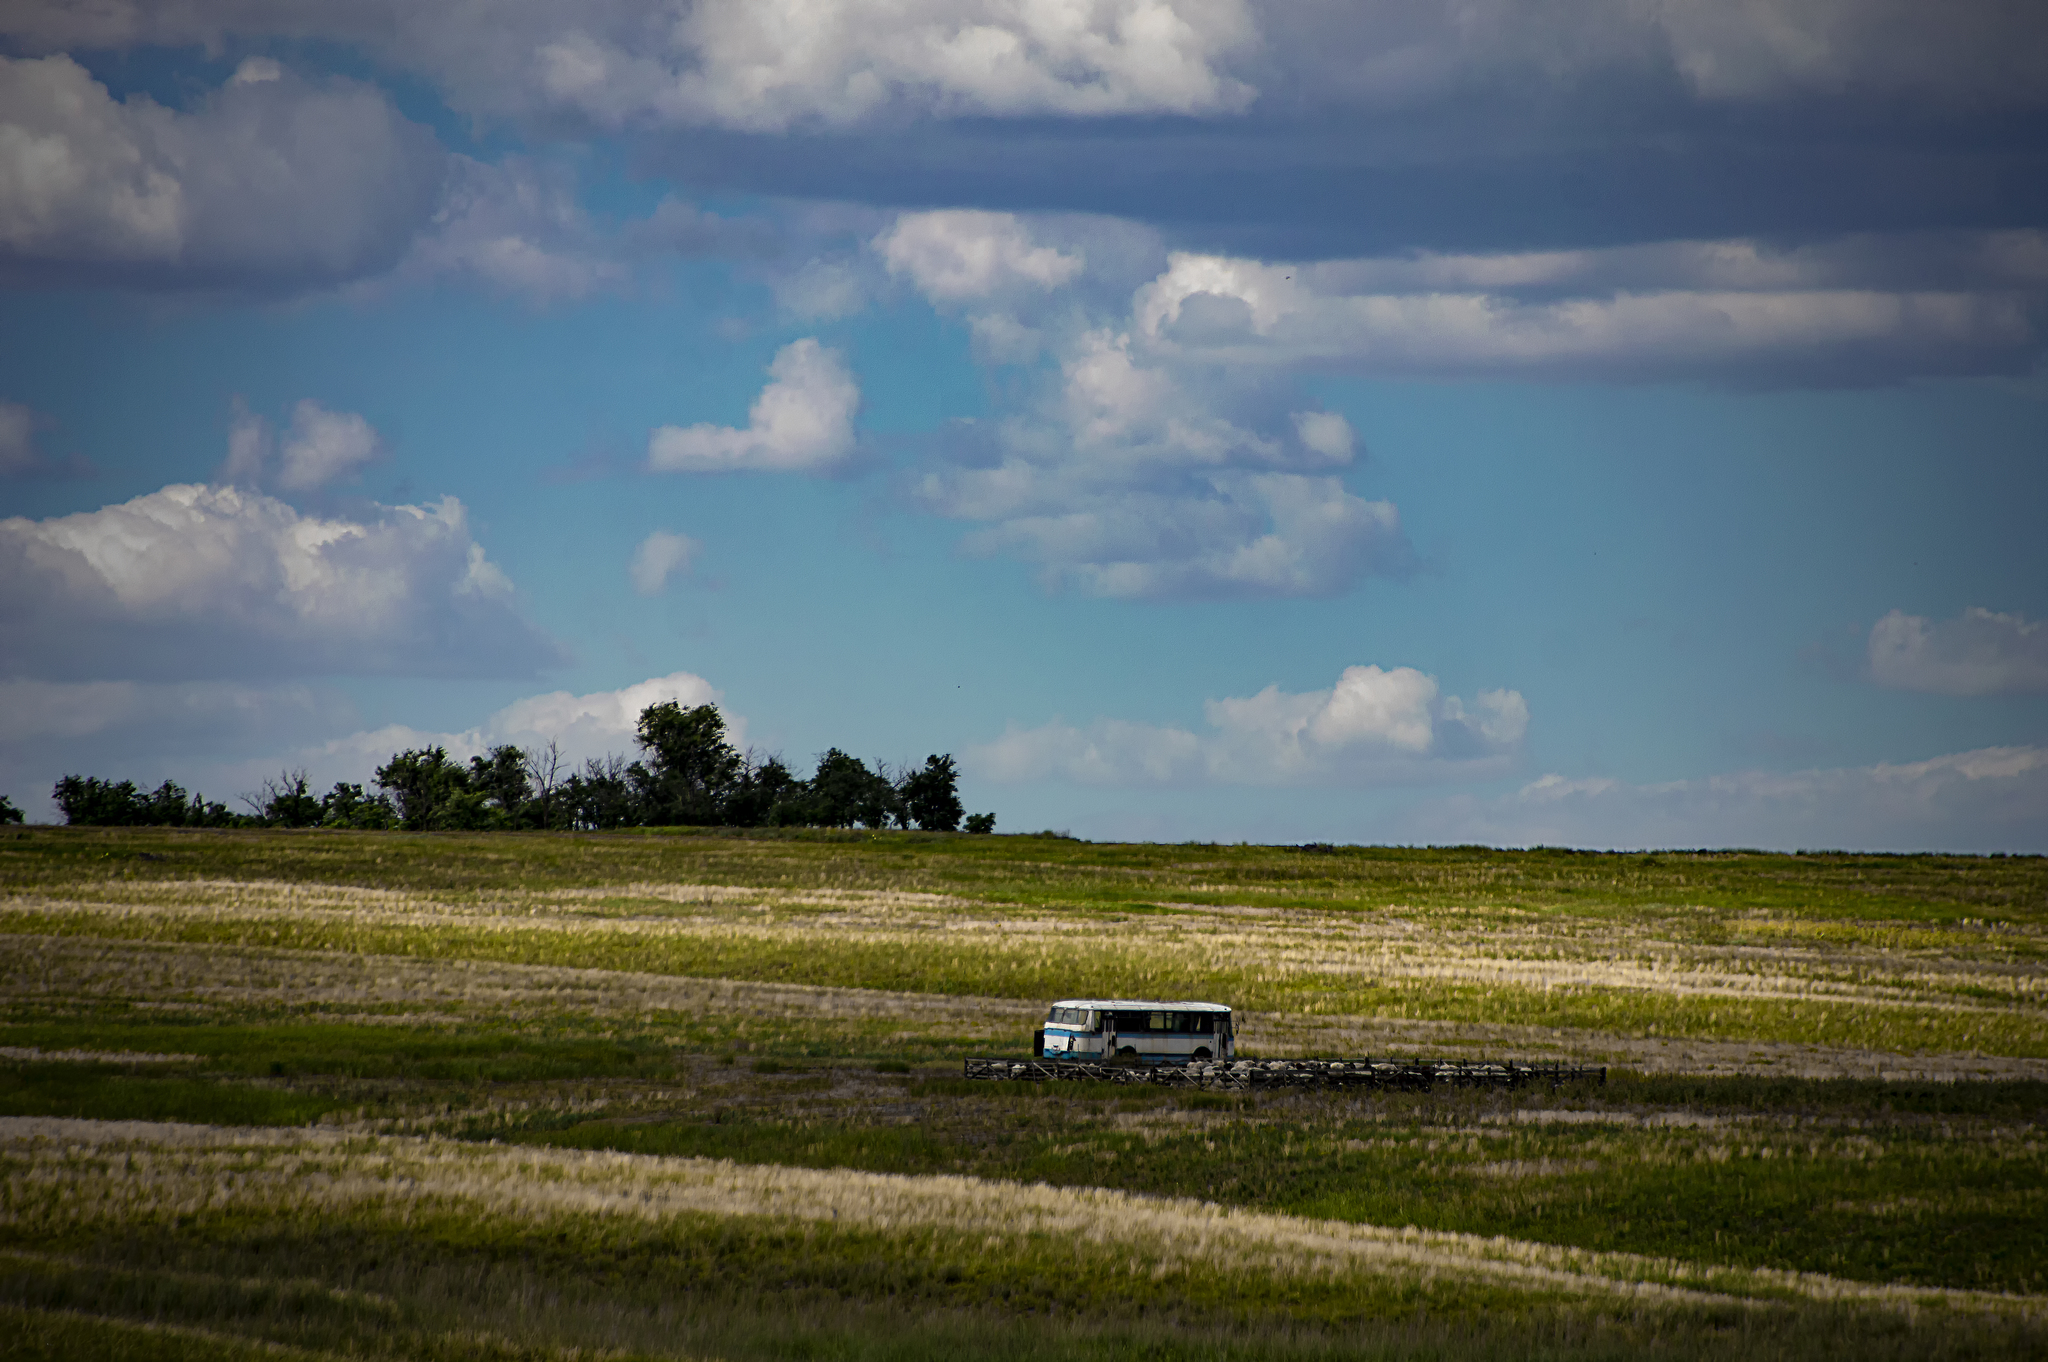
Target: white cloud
x=764, y=67
x=1373, y=727
x=958, y=255
x=1127, y=480
x=270, y=182
x=193, y=582
x=324, y=446
x=1980, y=652
x=1992, y=799
x=802, y=422
x=319, y=447
x=660, y=555
x=1326, y=433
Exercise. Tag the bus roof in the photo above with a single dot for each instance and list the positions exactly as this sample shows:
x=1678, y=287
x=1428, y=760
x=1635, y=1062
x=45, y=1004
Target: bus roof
x=1140, y=1005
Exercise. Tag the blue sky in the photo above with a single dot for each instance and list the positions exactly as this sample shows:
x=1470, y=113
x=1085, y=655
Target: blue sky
x=1610, y=425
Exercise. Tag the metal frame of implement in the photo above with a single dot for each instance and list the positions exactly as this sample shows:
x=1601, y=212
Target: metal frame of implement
x=1402, y=1075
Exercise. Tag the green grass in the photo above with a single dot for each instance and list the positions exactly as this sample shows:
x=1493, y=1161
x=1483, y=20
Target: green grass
x=462, y=1287
x=1932, y=1184
x=1941, y=890
x=1835, y=1193
x=108, y=1093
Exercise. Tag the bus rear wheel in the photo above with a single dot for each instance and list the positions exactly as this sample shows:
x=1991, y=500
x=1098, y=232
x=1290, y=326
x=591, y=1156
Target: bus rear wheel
x=1202, y=1052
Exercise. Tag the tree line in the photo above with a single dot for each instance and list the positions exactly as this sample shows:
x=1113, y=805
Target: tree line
x=688, y=772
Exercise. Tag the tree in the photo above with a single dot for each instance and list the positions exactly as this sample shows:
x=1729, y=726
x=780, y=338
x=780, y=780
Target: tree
x=8, y=813
x=690, y=767
x=500, y=777
x=844, y=792
x=981, y=822
x=283, y=802
x=767, y=794
x=544, y=778
x=601, y=796
x=432, y=793
x=88, y=801
x=346, y=806
x=931, y=795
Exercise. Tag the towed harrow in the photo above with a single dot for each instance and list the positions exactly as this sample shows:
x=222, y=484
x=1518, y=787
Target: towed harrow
x=1405, y=1075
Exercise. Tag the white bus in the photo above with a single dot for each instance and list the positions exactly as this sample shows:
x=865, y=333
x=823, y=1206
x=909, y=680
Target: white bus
x=1152, y=1031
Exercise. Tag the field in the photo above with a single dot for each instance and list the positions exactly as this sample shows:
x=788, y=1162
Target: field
x=322, y=1094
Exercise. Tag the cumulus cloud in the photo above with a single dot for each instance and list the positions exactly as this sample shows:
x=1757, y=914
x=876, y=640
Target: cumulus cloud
x=1738, y=310
x=801, y=423
x=1130, y=479
x=659, y=556
x=958, y=255
x=765, y=68
x=1991, y=799
x=195, y=582
x=1373, y=727
x=1980, y=652
x=266, y=183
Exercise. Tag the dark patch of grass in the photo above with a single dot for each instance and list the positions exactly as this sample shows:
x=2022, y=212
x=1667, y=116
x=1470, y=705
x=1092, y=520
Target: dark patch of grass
x=744, y=1289
x=2025, y=1099
x=102, y=1092
x=297, y=1049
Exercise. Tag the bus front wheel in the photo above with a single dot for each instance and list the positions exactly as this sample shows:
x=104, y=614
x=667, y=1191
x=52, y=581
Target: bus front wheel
x=1203, y=1053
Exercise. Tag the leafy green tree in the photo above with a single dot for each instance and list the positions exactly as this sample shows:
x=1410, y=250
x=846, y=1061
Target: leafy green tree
x=844, y=791
x=432, y=793
x=8, y=813
x=90, y=801
x=602, y=795
x=346, y=806
x=930, y=795
x=981, y=822
x=500, y=777
x=690, y=767
x=766, y=794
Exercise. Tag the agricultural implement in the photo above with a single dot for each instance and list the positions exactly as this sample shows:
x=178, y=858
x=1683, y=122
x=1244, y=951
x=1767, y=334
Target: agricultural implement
x=1400, y=1075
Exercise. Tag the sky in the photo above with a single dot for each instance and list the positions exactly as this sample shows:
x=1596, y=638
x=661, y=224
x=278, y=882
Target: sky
x=1606, y=423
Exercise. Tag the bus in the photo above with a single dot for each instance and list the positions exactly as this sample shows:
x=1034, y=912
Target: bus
x=1150, y=1031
